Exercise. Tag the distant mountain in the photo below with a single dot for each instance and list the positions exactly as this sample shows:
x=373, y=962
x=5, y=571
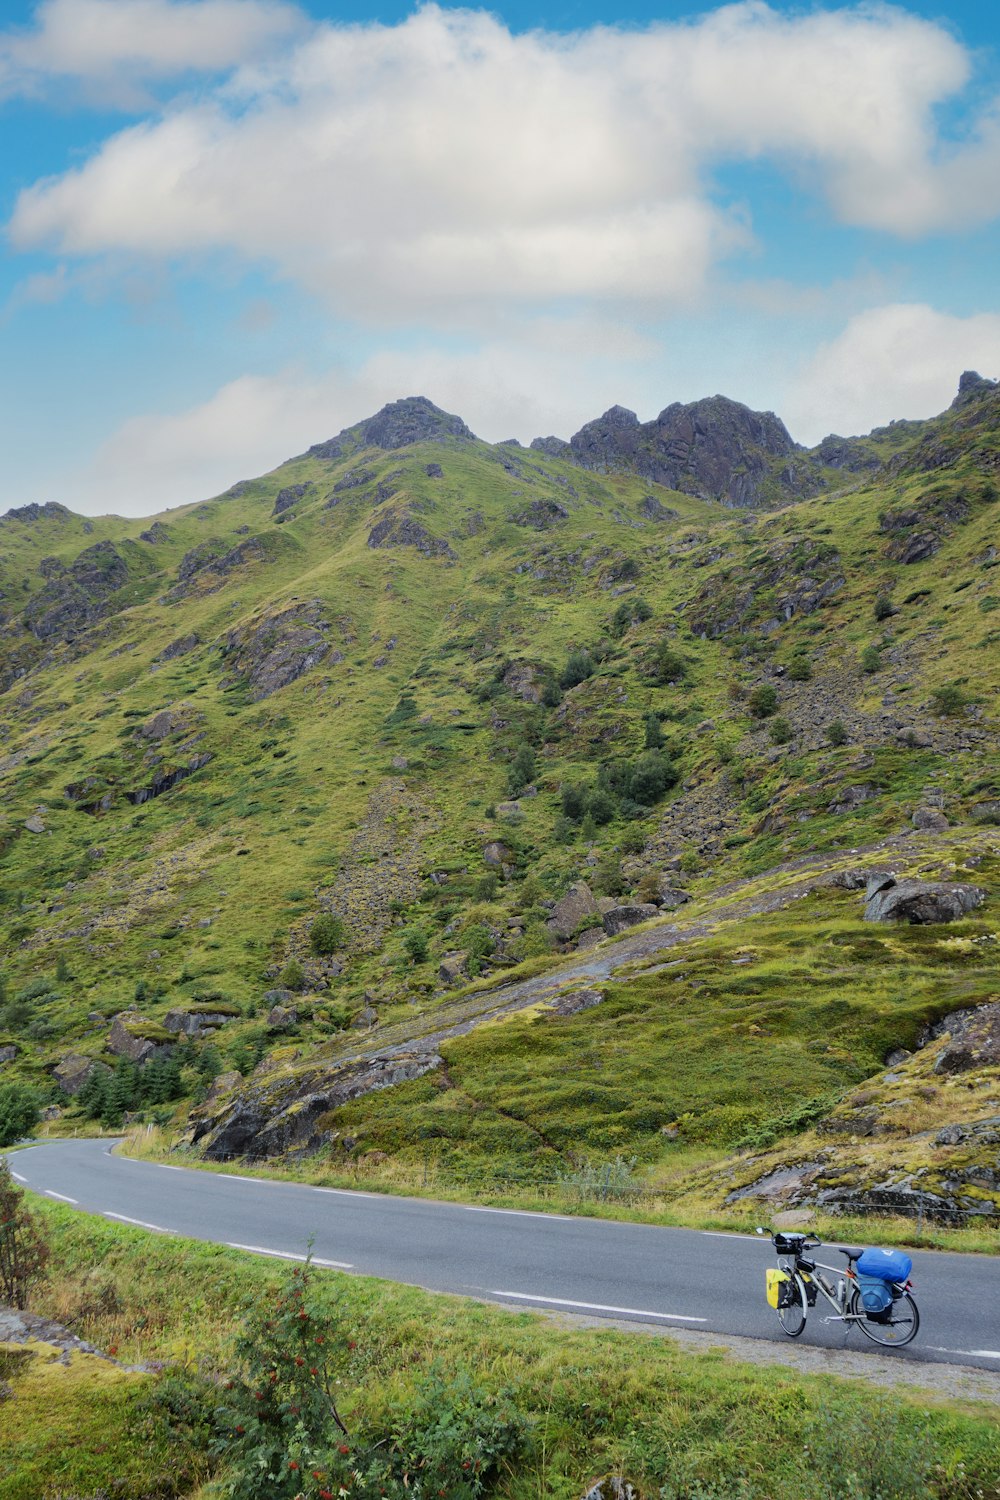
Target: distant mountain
x=284, y=769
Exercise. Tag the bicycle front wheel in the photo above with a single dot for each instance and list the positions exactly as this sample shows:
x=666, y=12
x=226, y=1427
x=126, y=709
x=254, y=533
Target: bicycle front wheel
x=793, y=1317
x=897, y=1328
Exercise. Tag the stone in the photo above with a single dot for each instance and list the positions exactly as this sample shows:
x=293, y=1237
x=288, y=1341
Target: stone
x=35, y=824
x=849, y=798
x=573, y=909
x=613, y=1487
x=163, y=724
x=590, y=938
x=986, y=812
x=572, y=1001
x=8, y=1053
x=124, y=1042
x=194, y=1023
x=277, y=997
x=668, y=896
x=922, y=901
x=628, y=915
x=434, y=471
x=400, y=763
x=399, y=529
x=540, y=515
x=452, y=968
x=280, y=1018
x=365, y=1019
x=277, y=648
x=524, y=680
x=224, y=1083
x=508, y=809
x=793, y=1218
x=973, y=1039
x=73, y=1071
x=930, y=820
x=950, y=1135
x=896, y=1056
x=289, y=496
x=496, y=854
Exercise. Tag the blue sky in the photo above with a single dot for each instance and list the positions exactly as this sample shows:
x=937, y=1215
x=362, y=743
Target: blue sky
x=234, y=226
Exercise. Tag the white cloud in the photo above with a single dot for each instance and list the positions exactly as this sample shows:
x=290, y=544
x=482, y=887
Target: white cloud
x=902, y=360
x=443, y=166
x=114, y=46
x=549, y=376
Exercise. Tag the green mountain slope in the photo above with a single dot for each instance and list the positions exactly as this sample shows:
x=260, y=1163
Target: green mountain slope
x=424, y=684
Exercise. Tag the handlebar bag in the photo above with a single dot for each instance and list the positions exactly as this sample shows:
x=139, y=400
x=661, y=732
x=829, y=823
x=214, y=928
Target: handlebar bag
x=884, y=1265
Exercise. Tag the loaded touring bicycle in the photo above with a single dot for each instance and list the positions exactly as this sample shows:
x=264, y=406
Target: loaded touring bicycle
x=872, y=1290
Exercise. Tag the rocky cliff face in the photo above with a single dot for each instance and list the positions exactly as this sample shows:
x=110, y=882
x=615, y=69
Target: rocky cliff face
x=412, y=420
x=715, y=448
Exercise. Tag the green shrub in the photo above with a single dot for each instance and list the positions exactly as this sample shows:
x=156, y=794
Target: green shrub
x=23, y=1250
x=653, y=734
x=415, y=944
x=326, y=934
x=600, y=807
x=293, y=976
x=780, y=731
x=948, y=699
x=836, y=732
x=574, y=801
x=522, y=770
x=629, y=612
x=884, y=607
x=800, y=669
x=668, y=666
x=579, y=666
x=871, y=659
x=763, y=700
x=20, y=1112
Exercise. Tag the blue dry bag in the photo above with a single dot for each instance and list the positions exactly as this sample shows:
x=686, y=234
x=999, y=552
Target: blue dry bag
x=876, y=1295
x=884, y=1265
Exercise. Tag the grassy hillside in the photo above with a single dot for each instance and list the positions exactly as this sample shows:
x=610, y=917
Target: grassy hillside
x=425, y=688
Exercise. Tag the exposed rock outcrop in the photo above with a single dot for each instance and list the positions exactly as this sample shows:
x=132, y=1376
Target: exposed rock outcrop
x=414, y=419
x=280, y=1112
x=920, y=901
x=574, y=909
x=289, y=496
x=275, y=649
x=76, y=597
x=399, y=529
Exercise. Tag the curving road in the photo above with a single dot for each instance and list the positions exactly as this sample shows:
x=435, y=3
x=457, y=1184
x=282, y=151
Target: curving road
x=670, y=1278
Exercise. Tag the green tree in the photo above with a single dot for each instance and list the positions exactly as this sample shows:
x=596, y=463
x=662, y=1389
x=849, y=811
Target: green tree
x=884, y=607
x=763, y=700
x=20, y=1112
x=62, y=969
x=836, y=732
x=522, y=770
x=574, y=801
x=326, y=934
x=800, y=669
x=948, y=699
x=600, y=807
x=23, y=1250
x=293, y=976
x=781, y=731
x=579, y=666
x=668, y=665
x=651, y=776
x=871, y=659
x=415, y=945
x=653, y=739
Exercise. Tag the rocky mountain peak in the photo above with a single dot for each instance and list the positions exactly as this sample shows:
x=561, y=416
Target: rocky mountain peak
x=970, y=385
x=51, y=510
x=413, y=419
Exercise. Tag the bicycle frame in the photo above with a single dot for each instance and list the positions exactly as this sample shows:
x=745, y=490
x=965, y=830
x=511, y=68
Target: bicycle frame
x=836, y=1295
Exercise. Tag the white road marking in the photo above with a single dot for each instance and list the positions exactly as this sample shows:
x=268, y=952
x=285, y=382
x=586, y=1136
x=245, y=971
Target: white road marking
x=337, y=1265
x=725, y=1234
x=61, y=1196
x=17, y=1177
x=517, y=1213
x=234, y=1177
x=635, y=1312
x=140, y=1223
x=973, y=1353
x=165, y=1168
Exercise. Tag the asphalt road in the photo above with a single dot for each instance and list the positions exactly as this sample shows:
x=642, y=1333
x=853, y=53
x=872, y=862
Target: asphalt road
x=676, y=1278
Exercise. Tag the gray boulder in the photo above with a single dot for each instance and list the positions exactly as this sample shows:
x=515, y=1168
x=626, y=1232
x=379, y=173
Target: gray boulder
x=8, y=1054
x=973, y=1040
x=575, y=907
x=280, y=1019
x=73, y=1071
x=576, y=1000
x=452, y=968
x=921, y=901
x=630, y=915
x=497, y=854
x=930, y=820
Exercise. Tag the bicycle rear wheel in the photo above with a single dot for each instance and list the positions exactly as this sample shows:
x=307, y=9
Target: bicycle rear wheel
x=793, y=1317
x=900, y=1324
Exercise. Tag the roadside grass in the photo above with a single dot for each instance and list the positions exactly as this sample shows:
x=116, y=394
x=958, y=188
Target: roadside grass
x=599, y=1401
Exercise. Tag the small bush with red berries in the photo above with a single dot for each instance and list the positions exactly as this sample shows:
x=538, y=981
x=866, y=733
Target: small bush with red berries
x=280, y=1431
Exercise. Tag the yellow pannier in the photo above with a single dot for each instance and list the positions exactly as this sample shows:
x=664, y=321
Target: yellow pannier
x=776, y=1280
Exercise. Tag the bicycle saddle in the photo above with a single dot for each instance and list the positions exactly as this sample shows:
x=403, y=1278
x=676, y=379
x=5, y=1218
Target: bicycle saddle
x=851, y=1251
